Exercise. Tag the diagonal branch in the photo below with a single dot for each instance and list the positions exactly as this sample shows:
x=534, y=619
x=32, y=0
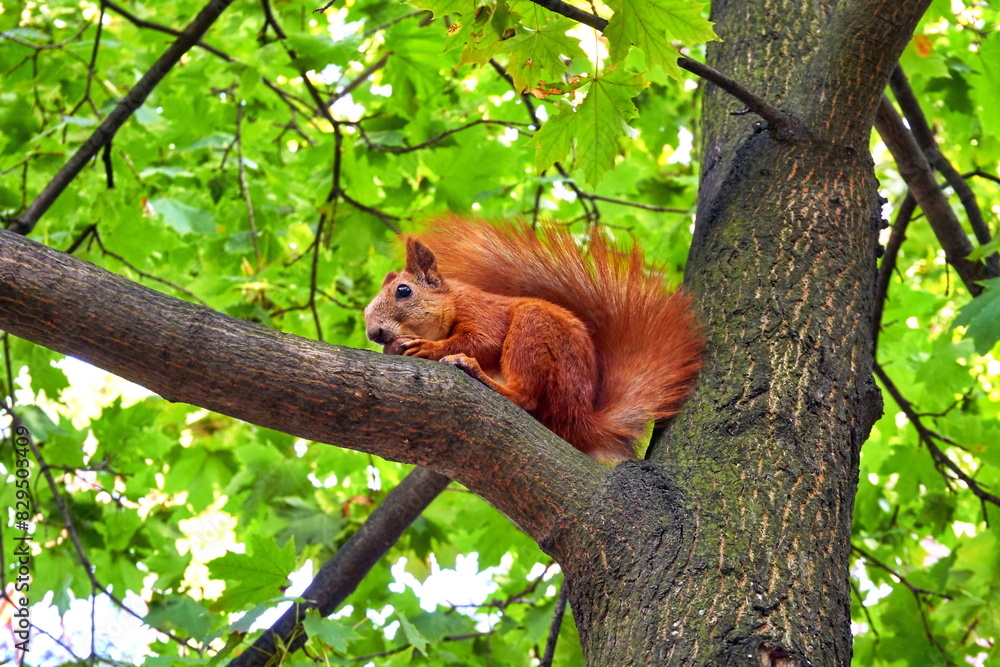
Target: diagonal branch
x=107, y=129
x=569, y=11
x=924, y=135
x=784, y=125
x=402, y=409
x=929, y=438
x=151, y=25
x=340, y=575
x=888, y=265
x=919, y=176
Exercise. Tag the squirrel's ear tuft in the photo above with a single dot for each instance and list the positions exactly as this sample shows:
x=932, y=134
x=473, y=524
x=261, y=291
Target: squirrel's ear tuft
x=420, y=261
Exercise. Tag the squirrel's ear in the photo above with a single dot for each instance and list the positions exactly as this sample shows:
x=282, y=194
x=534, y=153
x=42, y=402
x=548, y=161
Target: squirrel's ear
x=420, y=261
x=389, y=277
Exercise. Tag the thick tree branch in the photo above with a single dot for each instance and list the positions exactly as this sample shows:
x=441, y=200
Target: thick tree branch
x=107, y=129
x=919, y=176
x=340, y=575
x=402, y=409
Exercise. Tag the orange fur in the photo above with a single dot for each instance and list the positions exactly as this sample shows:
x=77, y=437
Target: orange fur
x=591, y=345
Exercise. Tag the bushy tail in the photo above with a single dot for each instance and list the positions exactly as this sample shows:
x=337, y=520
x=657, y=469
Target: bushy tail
x=647, y=340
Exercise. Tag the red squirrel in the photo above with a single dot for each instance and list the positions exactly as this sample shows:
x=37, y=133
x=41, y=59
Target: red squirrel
x=591, y=344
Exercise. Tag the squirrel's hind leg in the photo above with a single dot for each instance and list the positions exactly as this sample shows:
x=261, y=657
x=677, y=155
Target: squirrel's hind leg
x=511, y=393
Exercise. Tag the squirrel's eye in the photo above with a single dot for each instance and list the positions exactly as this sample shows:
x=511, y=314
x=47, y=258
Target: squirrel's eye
x=403, y=291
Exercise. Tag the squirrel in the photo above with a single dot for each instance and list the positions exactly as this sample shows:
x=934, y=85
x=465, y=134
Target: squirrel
x=591, y=345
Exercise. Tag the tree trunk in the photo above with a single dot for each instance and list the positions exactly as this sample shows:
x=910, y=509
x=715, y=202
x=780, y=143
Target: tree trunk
x=732, y=546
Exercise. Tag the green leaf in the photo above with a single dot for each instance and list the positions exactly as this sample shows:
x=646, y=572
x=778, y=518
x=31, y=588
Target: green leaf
x=651, y=24
x=982, y=317
x=252, y=578
x=412, y=634
x=595, y=128
x=603, y=120
x=316, y=52
x=38, y=423
x=536, y=56
x=335, y=632
x=182, y=218
x=554, y=140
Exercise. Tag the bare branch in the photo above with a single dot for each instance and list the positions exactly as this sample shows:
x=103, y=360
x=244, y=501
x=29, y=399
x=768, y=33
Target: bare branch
x=554, y=627
x=340, y=575
x=784, y=125
x=924, y=135
x=917, y=593
x=571, y=12
x=919, y=176
x=929, y=438
x=142, y=23
x=244, y=186
x=361, y=78
x=397, y=150
x=888, y=265
x=903, y=580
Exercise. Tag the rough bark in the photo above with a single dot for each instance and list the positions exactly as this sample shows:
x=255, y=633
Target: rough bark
x=784, y=266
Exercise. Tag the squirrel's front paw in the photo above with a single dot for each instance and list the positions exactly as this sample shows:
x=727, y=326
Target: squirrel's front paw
x=417, y=347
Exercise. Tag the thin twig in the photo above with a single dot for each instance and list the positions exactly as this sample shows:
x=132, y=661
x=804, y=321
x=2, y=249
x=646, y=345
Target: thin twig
x=888, y=265
x=398, y=150
x=142, y=23
x=143, y=274
x=386, y=218
x=45, y=47
x=557, y=618
x=107, y=129
x=647, y=207
x=361, y=78
x=929, y=438
x=92, y=68
x=784, y=125
x=571, y=12
x=903, y=580
x=864, y=609
x=917, y=592
x=982, y=174
x=244, y=187
x=389, y=24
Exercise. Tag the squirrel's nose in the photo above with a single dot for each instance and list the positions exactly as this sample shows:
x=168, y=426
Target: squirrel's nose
x=378, y=335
